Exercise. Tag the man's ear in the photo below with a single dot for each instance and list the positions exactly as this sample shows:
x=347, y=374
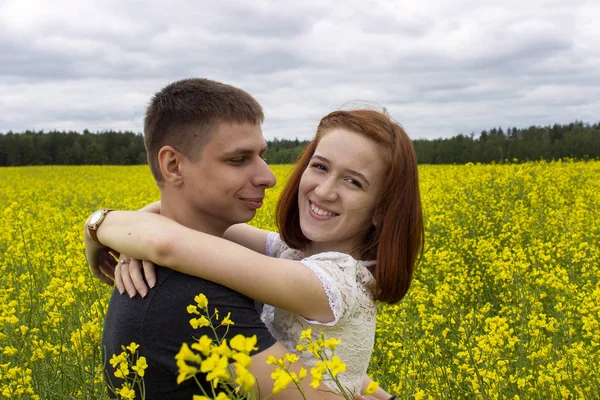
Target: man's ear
x=169, y=161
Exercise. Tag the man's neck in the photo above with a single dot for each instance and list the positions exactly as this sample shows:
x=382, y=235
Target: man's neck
x=187, y=216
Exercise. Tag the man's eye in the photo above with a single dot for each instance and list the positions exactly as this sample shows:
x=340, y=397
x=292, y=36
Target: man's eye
x=237, y=161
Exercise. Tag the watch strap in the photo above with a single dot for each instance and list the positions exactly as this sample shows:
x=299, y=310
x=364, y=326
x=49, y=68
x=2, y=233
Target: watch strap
x=92, y=229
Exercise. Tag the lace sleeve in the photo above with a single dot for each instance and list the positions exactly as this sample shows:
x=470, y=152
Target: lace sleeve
x=331, y=289
x=275, y=246
x=337, y=273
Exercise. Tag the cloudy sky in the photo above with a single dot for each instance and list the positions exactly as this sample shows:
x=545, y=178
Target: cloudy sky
x=440, y=67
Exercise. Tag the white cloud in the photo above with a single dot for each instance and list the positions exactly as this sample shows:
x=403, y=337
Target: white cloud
x=440, y=67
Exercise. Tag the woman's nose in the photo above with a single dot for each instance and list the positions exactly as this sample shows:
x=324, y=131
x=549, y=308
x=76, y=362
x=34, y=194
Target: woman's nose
x=326, y=190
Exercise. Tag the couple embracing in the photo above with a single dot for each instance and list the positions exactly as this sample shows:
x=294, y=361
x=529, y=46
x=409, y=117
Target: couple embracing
x=350, y=234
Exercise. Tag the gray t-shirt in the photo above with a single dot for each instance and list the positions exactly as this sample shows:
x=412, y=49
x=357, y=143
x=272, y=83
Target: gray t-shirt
x=159, y=323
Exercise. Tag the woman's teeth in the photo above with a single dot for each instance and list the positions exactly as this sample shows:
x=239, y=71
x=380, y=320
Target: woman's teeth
x=318, y=211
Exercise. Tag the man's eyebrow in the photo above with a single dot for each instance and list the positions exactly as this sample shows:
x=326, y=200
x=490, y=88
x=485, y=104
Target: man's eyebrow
x=351, y=171
x=244, y=151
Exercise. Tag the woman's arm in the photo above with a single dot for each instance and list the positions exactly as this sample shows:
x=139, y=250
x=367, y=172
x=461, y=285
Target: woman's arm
x=243, y=234
x=283, y=283
x=153, y=208
x=132, y=277
x=248, y=236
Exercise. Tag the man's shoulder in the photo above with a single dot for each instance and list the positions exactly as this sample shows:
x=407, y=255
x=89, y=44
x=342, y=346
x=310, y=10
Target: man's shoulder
x=176, y=284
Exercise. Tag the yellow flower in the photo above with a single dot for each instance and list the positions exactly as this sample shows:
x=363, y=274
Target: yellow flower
x=125, y=392
x=186, y=354
x=335, y=365
x=243, y=344
x=192, y=309
x=317, y=374
x=301, y=347
x=280, y=362
x=371, y=388
x=223, y=350
x=282, y=380
x=201, y=300
x=315, y=348
x=140, y=366
x=203, y=345
x=227, y=320
x=306, y=334
x=302, y=373
x=199, y=322
x=185, y=371
x=244, y=378
x=331, y=343
x=116, y=359
x=419, y=395
x=243, y=359
x=291, y=358
x=219, y=371
x=122, y=371
x=133, y=347
x=10, y=351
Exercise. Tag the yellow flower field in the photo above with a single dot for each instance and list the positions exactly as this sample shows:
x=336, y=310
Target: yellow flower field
x=505, y=305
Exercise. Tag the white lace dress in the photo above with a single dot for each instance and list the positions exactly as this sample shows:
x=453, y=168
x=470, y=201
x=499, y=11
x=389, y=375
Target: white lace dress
x=349, y=286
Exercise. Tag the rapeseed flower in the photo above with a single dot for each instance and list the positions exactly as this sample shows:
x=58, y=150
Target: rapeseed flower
x=508, y=282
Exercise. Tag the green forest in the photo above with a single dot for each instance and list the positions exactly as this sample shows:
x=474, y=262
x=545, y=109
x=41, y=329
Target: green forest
x=576, y=140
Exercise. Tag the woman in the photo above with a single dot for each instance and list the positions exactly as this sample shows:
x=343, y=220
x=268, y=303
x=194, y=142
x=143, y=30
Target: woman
x=351, y=233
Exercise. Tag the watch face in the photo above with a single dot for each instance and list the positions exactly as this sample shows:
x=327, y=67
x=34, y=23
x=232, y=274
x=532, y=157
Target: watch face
x=95, y=217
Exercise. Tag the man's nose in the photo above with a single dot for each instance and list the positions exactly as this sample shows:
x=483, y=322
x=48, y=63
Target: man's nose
x=264, y=176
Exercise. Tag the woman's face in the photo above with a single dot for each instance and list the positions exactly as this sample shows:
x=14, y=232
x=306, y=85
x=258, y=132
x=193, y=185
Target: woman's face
x=339, y=191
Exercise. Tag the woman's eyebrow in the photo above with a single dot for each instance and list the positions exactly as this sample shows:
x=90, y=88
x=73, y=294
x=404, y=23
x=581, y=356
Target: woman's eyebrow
x=320, y=158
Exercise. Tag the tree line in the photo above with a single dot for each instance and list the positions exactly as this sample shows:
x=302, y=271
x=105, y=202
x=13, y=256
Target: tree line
x=71, y=148
x=574, y=140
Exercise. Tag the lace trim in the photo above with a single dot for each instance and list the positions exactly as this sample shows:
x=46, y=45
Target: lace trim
x=272, y=238
x=331, y=290
x=337, y=256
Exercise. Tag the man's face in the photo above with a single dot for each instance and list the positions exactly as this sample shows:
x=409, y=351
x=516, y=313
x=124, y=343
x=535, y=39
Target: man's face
x=226, y=185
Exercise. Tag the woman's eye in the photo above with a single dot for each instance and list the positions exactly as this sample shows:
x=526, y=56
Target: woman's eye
x=355, y=183
x=319, y=166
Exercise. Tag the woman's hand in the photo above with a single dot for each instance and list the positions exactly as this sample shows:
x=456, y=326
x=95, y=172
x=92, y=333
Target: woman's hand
x=129, y=277
x=103, y=265
x=128, y=274
x=101, y=259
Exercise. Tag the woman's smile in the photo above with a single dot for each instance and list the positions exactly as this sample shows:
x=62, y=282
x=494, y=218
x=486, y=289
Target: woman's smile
x=320, y=212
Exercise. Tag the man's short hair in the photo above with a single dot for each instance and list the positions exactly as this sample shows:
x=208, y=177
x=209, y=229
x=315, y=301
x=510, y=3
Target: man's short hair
x=184, y=114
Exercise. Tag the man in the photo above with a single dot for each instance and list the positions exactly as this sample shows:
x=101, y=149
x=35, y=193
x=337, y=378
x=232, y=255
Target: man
x=204, y=144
